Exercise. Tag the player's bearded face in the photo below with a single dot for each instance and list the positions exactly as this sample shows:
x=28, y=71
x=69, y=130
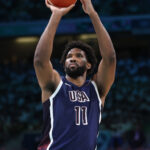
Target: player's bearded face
x=75, y=64
x=74, y=70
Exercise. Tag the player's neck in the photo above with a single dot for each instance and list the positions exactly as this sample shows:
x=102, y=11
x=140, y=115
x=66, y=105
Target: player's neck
x=79, y=81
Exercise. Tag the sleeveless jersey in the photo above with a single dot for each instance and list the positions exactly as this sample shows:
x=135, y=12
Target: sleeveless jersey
x=71, y=117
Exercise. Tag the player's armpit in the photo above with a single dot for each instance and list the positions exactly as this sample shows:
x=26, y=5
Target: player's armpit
x=48, y=78
x=105, y=76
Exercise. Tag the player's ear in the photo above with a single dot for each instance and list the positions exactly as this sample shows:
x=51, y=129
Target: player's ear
x=88, y=65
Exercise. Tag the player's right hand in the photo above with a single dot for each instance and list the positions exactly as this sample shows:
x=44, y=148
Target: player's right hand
x=57, y=10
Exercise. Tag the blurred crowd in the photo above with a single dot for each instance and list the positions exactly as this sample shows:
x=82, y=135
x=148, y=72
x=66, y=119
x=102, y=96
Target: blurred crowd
x=35, y=10
x=125, y=115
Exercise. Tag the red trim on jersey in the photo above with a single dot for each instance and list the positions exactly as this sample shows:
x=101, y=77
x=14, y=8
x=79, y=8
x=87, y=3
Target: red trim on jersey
x=43, y=147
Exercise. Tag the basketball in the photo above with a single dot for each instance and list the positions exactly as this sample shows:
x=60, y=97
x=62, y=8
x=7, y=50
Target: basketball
x=62, y=3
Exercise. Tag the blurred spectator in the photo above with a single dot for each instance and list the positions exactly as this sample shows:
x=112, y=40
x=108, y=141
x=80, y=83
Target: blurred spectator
x=137, y=138
x=116, y=142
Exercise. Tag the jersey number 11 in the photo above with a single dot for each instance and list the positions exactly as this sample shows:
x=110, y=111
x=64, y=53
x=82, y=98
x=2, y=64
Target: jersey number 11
x=78, y=111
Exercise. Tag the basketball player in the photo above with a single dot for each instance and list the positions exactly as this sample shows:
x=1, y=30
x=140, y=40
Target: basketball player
x=72, y=104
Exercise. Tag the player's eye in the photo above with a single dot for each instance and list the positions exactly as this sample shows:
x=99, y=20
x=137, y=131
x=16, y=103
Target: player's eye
x=79, y=55
x=69, y=56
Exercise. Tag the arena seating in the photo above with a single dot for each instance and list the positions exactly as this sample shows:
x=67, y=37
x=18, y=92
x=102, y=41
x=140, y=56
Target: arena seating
x=35, y=10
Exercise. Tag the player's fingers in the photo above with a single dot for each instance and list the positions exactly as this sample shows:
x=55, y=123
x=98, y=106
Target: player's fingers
x=82, y=1
x=70, y=7
x=48, y=3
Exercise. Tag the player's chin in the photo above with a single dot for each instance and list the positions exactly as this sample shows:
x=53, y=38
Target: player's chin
x=71, y=70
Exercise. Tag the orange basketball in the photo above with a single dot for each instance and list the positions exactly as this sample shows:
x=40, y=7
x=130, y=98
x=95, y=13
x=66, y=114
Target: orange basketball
x=62, y=3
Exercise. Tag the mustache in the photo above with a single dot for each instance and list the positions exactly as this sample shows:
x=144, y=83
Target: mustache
x=73, y=64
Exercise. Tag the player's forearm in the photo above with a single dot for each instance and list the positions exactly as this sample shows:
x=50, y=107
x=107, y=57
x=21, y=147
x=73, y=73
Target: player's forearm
x=105, y=44
x=45, y=44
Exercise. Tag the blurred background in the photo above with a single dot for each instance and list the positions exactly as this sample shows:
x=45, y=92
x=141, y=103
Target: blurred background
x=126, y=117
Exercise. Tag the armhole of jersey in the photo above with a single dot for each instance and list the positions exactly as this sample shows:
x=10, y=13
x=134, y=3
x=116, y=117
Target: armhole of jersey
x=57, y=89
x=100, y=102
x=51, y=98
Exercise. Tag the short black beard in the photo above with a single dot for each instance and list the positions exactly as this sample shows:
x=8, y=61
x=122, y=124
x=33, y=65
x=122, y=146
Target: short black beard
x=79, y=71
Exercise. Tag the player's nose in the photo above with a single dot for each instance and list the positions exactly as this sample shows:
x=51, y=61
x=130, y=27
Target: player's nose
x=73, y=59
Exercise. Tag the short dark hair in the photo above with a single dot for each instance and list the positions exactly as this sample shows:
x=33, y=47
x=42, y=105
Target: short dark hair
x=89, y=52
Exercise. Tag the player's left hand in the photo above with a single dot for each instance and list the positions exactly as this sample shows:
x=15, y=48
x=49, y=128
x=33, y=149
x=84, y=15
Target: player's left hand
x=87, y=6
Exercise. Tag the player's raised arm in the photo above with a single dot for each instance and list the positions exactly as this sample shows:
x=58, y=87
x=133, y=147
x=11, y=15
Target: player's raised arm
x=48, y=78
x=106, y=70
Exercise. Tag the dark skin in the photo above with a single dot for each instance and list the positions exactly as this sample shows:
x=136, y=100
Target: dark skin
x=75, y=58
x=49, y=78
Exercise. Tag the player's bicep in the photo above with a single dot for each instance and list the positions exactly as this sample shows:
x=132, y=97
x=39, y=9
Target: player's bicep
x=105, y=76
x=46, y=75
